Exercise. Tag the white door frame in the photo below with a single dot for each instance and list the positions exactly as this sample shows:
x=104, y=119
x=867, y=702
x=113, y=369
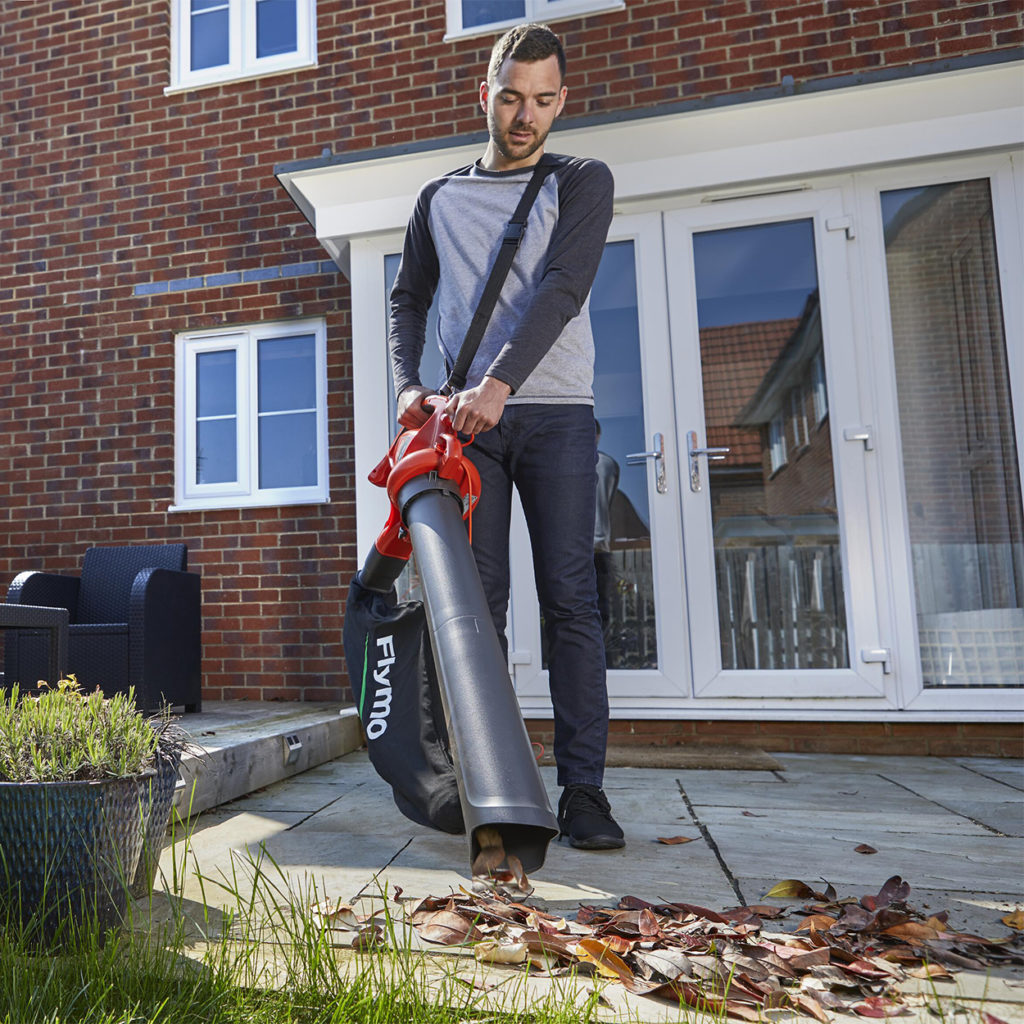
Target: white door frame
x=851, y=461
x=1007, y=188
x=671, y=680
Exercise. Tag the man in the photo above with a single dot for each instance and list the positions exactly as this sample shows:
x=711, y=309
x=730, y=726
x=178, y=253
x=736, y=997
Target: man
x=529, y=397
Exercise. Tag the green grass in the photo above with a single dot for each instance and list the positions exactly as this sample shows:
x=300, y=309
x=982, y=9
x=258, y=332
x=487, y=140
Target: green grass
x=268, y=960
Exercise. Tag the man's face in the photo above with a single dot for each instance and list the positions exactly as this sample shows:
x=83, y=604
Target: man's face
x=521, y=105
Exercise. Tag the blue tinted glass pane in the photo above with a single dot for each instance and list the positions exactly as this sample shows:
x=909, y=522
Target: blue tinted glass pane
x=623, y=557
x=288, y=450
x=755, y=274
x=276, y=27
x=484, y=12
x=618, y=391
x=287, y=374
x=215, y=383
x=209, y=38
x=216, y=461
x=778, y=559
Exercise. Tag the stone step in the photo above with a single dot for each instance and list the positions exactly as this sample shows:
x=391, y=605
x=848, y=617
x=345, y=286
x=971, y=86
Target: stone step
x=238, y=747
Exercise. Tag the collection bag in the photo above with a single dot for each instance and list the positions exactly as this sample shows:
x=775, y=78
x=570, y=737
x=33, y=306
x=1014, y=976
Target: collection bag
x=391, y=668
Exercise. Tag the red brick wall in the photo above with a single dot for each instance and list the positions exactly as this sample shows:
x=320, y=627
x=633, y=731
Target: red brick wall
x=106, y=184
x=918, y=739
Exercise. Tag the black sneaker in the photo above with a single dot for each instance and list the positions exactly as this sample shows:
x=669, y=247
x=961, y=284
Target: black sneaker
x=585, y=816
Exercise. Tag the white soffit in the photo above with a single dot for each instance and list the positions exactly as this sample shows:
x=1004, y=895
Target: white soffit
x=708, y=149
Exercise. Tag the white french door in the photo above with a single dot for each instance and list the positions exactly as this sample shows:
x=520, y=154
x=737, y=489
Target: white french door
x=779, y=581
x=744, y=573
x=638, y=533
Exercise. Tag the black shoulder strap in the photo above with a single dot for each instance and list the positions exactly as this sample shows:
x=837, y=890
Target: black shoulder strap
x=502, y=264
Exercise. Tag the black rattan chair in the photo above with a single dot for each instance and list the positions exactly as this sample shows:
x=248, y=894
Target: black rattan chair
x=134, y=621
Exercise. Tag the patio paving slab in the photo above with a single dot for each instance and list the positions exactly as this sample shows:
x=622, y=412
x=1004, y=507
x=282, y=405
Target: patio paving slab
x=335, y=832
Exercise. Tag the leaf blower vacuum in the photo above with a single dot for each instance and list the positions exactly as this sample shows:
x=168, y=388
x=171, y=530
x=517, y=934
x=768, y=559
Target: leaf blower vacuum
x=471, y=769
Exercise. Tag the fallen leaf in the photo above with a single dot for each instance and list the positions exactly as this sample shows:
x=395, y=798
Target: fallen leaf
x=751, y=814
x=879, y=1006
x=669, y=963
x=798, y=958
x=913, y=931
x=676, y=840
x=444, y=927
x=608, y=963
x=991, y=1018
x=692, y=908
x=936, y=971
x=487, y=861
x=754, y=910
x=491, y=951
x=516, y=867
x=790, y=888
x=810, y=1005
x=1014, y=920
x=370, y=937
x=874, y=968
x=540, y=962
x=855, y=918
x=648, y=925
x=337, y=914
x=864, y=848
x=895, y=890
x=547, y=945
x=700, y=999
x=817, y=922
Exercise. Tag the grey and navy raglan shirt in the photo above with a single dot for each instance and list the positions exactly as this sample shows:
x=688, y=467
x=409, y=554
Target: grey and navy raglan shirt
x=538, y=340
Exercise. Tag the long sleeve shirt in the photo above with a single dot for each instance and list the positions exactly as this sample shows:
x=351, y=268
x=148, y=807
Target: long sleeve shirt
x=538, y=340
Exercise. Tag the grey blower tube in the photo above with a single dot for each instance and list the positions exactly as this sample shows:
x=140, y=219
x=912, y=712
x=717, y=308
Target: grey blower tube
x=499, y=781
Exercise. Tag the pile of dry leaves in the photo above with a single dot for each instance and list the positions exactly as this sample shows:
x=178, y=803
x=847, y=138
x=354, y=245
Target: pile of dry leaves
x=847, y=955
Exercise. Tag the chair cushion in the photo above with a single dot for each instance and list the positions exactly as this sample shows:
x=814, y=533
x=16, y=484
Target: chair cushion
x=108, y=574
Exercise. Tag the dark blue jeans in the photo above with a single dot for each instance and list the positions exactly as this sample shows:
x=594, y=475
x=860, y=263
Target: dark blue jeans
x=549, y=453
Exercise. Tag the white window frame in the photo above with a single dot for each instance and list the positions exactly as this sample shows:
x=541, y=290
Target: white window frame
x=244, y=492
x=777, y=442
x=534, y=10
x=242, y=60
x=798, y=418
x=818, y=389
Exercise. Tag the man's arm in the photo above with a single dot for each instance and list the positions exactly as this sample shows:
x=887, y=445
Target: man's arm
x=410, y=300
x=584, y=215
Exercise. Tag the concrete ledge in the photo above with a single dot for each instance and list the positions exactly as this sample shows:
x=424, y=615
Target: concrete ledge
x=242, y=746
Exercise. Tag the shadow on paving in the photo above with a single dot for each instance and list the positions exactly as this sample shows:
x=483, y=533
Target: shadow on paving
x=951, y=827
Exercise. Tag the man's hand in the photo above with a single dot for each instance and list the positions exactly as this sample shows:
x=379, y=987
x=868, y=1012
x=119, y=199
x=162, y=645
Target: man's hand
x=410, y=406
x=479, y=408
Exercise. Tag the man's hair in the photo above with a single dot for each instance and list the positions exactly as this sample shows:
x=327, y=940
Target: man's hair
x=526, y=43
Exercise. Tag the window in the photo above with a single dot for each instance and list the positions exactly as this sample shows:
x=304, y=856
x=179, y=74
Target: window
x=251, y=416
x=777, y=442
x=798, y=418
x=221, y=40
x=475, y=17
x=819, y=390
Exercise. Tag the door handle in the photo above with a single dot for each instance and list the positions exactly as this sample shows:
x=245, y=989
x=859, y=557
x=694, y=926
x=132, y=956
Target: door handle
x=658, y=454
x=714, y=454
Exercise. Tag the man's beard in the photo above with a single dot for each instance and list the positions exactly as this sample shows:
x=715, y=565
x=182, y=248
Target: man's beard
x=514, y=151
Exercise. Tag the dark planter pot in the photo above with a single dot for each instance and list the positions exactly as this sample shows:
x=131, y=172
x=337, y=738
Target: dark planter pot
x=69, y=850
x=162, y=793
